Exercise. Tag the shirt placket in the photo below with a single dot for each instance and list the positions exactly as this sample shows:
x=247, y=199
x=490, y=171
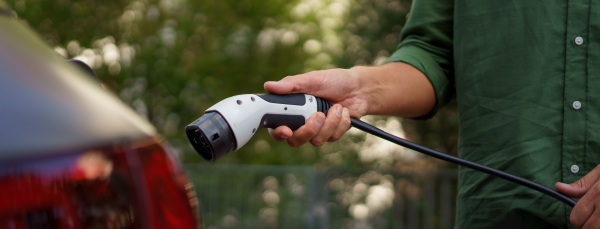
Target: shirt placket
x=575, y=100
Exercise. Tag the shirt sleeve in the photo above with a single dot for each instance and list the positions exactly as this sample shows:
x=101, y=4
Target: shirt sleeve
x=426, y=44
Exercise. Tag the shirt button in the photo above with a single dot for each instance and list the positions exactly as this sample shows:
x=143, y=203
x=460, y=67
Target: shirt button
x=574, y=168
x=576, y=105
x=579, y=40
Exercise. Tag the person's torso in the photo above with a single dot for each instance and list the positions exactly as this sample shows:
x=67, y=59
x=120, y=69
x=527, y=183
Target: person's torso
x=528, y=91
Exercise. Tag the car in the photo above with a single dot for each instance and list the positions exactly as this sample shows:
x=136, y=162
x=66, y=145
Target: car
x=72, y=155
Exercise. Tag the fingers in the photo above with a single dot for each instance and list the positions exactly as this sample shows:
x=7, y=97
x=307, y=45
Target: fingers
x=568, y=190
x=582, y=212
x=343, y=127
x=318, y=128
x=592, y=222
x=585, y=213
x=580, y=187
x=281, y=133
x=332, y=123
x=308, y=131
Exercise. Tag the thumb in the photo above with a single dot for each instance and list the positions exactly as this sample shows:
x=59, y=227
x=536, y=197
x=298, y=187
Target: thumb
x=303, y=83
x=279, y=87
x=571, y=190
x=578, y=188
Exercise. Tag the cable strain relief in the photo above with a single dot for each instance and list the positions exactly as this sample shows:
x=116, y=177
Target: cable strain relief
x=323, y=105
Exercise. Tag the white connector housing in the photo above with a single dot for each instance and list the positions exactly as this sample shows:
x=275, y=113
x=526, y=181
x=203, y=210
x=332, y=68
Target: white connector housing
x=244, y=113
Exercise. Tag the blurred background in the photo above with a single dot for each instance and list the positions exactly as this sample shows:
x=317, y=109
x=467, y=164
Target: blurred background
x=171, y=59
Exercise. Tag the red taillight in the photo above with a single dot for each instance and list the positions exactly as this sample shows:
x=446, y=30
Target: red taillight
x=116, y=187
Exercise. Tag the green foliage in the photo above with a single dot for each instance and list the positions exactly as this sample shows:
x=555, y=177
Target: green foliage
x=172, y=59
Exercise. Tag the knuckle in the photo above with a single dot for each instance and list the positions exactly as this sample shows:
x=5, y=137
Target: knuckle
x=310, y=132
x=276, y=137
x=336, y=136
x=339, y=133
x=294, y=144
x=346, y=122
x=317, y=142
x=595, y=189
x=580, y=183
x=331, y=120
x=573, y=220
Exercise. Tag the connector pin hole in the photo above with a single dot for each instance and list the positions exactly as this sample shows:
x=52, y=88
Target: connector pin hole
x=214, y=137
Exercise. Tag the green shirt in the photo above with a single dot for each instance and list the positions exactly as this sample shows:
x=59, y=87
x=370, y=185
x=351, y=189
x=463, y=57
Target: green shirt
x=525, y=74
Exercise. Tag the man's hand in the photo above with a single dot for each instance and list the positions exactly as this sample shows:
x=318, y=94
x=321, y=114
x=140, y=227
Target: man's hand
x=586, y=213
x=337, y=86
x=389, y=89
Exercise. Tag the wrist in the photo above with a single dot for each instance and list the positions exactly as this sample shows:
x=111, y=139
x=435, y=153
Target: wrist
x=394, y=89
x=367, y=87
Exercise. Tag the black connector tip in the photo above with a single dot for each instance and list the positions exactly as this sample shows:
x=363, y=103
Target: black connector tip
x=211, y=136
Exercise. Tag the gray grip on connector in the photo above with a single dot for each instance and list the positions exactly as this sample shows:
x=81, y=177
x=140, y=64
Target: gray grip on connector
x=275, y=120
x=323, y=105
x=291, y=99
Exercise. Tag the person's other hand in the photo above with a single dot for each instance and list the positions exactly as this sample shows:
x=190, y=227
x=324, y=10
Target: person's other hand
x=586, y=213
x=338, y=86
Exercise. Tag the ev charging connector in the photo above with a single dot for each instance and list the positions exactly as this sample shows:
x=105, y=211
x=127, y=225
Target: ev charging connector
x=229, y=124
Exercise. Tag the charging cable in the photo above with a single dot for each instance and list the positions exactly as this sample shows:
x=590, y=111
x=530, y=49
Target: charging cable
x=469, y=164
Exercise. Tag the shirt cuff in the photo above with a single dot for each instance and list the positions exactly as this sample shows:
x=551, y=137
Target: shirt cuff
x=422, y=60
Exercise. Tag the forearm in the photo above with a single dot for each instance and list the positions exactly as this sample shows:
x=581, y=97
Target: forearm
x=395, y=89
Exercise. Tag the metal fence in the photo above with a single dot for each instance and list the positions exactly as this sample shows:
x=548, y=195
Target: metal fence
x=307, y=197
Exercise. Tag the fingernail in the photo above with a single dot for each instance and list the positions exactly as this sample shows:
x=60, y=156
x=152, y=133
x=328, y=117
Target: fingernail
x=339, y=110
x=320, y=119
x=346, y=112
x=283, y=137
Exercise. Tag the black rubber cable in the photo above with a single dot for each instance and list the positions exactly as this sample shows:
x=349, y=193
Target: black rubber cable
x=403, y=142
